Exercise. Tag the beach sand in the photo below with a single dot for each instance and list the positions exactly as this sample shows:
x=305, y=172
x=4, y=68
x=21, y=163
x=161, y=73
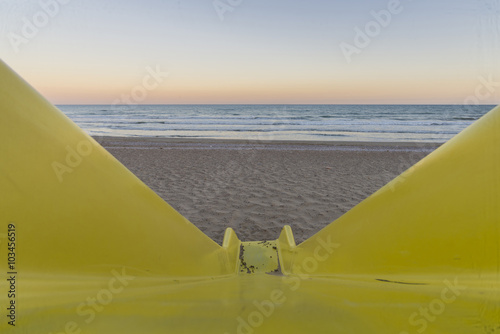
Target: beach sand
x=258, y=187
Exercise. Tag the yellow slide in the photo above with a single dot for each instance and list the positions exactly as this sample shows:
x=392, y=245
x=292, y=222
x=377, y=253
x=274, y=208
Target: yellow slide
x=86, y=247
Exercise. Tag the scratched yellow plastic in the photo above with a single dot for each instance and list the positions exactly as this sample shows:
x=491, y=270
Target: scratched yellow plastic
x=98, y=252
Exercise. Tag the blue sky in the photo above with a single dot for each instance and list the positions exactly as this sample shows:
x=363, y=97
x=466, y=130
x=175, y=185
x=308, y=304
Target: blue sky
x=282, y=51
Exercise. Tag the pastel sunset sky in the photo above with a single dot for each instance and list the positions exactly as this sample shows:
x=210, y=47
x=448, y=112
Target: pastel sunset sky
x=255, y=51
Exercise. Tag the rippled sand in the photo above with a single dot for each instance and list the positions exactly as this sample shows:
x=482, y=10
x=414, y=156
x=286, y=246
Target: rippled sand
x=256, y=188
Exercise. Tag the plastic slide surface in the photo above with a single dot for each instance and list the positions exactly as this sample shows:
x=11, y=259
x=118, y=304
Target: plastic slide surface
x=86, y=247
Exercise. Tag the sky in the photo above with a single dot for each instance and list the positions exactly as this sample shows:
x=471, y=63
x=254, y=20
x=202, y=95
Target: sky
x=255, y=51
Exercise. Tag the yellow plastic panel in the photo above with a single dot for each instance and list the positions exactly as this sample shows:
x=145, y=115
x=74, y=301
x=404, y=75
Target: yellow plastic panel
x=76, y=209
x=441, y=217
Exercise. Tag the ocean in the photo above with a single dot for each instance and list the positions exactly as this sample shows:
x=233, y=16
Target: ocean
x=361, y=123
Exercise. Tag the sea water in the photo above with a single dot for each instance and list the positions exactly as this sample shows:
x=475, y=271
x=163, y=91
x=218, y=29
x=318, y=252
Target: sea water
x=366, y=123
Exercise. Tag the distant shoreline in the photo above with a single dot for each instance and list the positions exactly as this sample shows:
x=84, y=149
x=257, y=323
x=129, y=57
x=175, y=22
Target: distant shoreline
x=155, y=142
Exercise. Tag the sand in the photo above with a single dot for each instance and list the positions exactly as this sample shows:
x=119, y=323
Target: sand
x=258, y=187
